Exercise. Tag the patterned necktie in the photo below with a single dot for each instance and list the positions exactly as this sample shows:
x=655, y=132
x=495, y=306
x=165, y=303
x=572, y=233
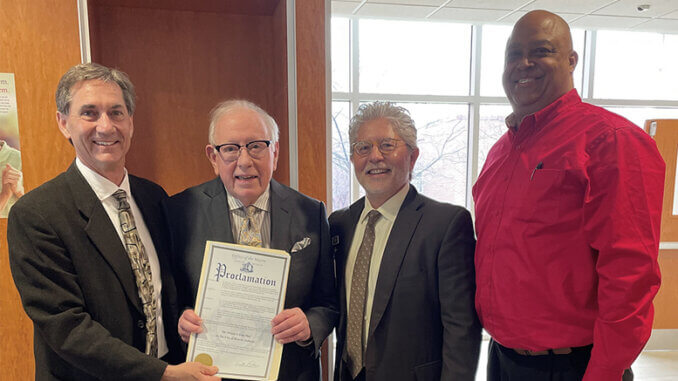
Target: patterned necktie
x=250, y=235
x=141, y=269
x=356, y=309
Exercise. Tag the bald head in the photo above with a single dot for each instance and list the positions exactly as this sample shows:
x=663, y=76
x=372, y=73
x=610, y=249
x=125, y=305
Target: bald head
x=539, y=62
x=548, y=21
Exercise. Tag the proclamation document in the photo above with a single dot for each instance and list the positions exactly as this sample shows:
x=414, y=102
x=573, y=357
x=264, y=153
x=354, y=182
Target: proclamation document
x=241, y=289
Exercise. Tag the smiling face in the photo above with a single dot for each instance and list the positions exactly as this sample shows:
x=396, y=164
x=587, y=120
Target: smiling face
x=382, y=175
x=245, y=178
x=99, y=127
x=539, y=62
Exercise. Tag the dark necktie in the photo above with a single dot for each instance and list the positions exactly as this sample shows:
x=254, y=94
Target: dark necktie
x=356, y=310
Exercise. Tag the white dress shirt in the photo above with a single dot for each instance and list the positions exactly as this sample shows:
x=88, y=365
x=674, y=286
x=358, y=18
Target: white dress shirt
x=104, y=190
x=382, y=229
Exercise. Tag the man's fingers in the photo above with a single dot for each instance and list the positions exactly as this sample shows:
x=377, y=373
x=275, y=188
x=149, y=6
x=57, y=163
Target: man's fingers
x=282, y=316
x=189, y=323
x=285, y=325
x=293, y=334
x=191, y=316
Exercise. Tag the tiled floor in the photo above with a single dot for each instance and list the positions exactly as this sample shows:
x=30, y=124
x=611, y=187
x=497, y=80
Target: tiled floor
x=650, y=366
x=656, y=366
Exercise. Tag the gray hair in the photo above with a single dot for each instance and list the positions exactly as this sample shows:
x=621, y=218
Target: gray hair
x=398, y=116
x=90, y=71
x=226, y=107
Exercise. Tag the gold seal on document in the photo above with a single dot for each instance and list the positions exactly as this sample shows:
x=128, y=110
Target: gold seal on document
x=204, y=359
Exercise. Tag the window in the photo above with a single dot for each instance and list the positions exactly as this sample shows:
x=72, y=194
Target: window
x=638, y=115
x=400, y=57
x=442, y=137
x=634, y=65
x=428, y=68
x=492, y=127
x=341, y=58
x=341, y=156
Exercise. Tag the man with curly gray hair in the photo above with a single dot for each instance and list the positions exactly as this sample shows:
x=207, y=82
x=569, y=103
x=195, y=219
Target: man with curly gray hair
x=404, y=265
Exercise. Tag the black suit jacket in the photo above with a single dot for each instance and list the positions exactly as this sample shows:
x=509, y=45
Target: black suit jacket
x=77, y=285
x=423, y=323
x=201, y=213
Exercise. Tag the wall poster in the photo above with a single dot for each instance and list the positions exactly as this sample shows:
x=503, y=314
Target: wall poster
x=12, y=184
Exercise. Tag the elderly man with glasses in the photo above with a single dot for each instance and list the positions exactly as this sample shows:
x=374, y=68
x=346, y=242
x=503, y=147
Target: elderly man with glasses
x=244, y=205
x=404, y=264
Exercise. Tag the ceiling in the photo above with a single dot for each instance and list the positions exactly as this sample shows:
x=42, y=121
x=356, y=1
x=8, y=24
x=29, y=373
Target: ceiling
x=661, y=15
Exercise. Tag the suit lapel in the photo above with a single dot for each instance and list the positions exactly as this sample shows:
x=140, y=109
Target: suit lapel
x=149, y=214
x=396, y=247
x=102, y=233
x=348, y=226
x=280, y=218
x=217, y=212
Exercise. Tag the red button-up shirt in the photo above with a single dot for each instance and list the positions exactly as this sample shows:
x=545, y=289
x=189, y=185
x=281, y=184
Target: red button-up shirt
x=568, y=208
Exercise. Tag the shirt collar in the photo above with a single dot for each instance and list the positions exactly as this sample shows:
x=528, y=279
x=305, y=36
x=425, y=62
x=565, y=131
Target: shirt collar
x=102, y=186
x=544, y=115
x=389, y=210
x=261, y=203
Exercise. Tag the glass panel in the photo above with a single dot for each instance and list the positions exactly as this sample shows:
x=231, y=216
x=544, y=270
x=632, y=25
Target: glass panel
x=341, y=57
x=492, y=58
x=341, y=156
x=578, y=44
x=442, y=137
x=635, y=65
x=639, y=115
x=411, y=57
x=491, y=128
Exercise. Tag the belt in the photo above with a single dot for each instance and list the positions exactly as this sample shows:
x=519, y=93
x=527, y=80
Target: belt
x=556, y=351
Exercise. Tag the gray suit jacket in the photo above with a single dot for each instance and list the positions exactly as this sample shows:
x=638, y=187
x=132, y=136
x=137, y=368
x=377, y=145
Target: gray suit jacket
x=423, y=323
x=201, y=213
x=77, y=285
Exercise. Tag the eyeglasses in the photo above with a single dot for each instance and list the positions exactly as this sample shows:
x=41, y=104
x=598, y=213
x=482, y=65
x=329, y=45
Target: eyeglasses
x=231, y=151
x=385, y=146
x=92, y=115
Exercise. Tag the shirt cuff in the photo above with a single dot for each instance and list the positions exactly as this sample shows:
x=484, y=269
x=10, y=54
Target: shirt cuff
x=305, y=343
x=596, y=373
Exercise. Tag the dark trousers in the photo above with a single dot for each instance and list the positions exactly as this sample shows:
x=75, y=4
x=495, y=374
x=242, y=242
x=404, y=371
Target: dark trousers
x=504, y=364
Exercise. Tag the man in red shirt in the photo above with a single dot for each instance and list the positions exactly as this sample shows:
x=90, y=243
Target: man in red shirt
x=568, y=209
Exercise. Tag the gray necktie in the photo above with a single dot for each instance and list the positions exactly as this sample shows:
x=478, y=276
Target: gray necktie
x=250, y=234
x=356, y=309
x=141, y=269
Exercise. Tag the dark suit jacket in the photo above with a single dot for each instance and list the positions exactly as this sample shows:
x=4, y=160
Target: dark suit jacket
x=77, y=285
x=423, y=324
x=201, y=213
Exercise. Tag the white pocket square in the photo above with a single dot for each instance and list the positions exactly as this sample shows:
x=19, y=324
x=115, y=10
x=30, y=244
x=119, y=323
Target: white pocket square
x=301, y=244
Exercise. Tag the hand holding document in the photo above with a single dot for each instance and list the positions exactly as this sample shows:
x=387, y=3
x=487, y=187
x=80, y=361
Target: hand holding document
x=241, y=289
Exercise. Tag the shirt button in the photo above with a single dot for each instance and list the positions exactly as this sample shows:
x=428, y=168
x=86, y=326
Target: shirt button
x=141, y=324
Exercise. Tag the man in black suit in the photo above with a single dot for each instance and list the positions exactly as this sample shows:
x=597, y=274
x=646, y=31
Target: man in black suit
x=404, y=264
x=87, y=249
x=243, y=149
